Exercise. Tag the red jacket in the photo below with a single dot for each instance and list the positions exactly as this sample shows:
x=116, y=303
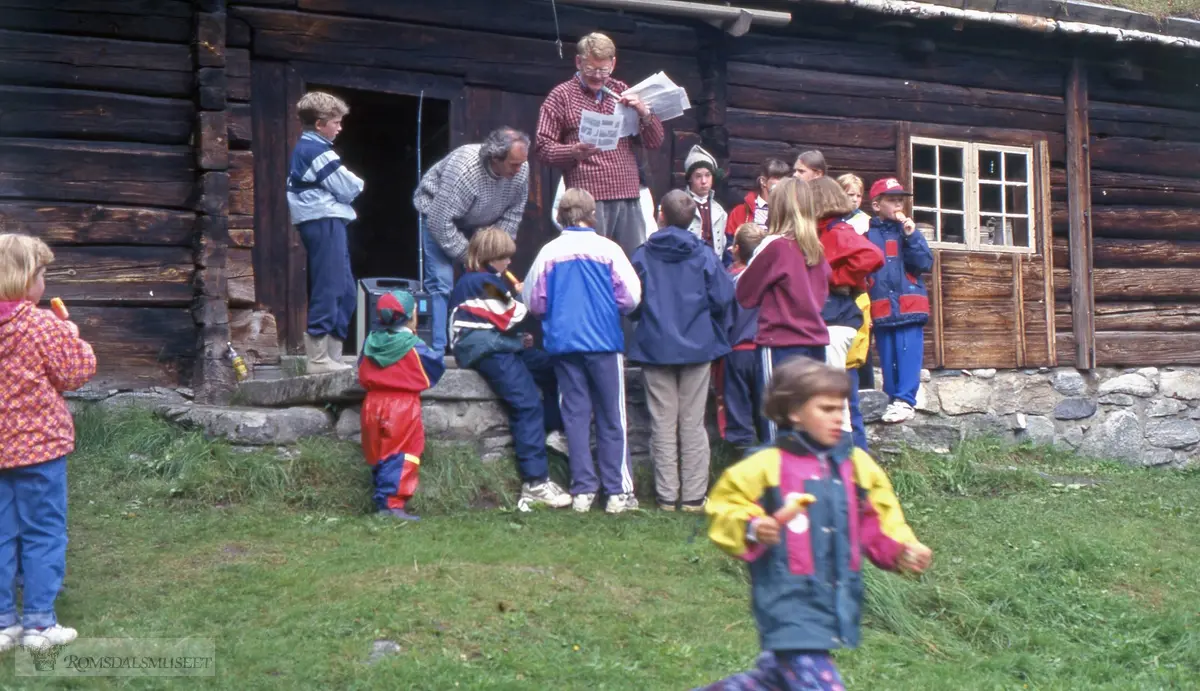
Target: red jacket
x=789, y=294
x=742, y=213
x=391, y=412
x=39, y=359
x=852, y=257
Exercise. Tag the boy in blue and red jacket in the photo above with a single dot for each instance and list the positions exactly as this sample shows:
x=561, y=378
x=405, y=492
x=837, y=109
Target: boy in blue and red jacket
x=682, y=327
x=485, y=320
x=899, y=301
x=580, y=284
x=395, y=368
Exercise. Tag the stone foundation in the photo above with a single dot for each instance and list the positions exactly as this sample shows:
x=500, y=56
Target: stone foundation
x=1145, y=416
x=1142, y=416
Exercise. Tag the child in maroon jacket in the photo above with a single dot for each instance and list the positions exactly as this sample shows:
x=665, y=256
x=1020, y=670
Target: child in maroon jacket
x=788, y=280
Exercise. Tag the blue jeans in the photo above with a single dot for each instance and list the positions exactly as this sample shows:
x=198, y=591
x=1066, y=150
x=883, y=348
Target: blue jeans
x=331, y=289
x=439, y=281
x=858, y=429
x=33, y=513
x=526, y=382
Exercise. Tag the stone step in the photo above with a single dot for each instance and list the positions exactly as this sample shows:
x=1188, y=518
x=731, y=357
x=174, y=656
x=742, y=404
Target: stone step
x=343, y=388
x=293, y=366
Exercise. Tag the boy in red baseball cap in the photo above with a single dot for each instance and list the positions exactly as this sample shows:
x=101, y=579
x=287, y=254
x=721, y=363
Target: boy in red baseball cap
x=899, y=301
x=396, y=366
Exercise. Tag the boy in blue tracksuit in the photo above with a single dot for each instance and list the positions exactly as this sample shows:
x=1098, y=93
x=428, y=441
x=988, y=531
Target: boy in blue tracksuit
x=899, y=301
x=738, y=385
x=682, y=327
x=319, y=192
x=581, y=284
x=485, y=320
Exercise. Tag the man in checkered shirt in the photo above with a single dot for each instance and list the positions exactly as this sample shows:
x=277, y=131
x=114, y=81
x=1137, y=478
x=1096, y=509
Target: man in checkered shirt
x=610, y=176
x=475, y=186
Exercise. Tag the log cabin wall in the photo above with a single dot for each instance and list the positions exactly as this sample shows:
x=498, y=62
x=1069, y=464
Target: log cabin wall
x=98, y=112
x=859, y=92
x=1144, y=125
x=493, y=66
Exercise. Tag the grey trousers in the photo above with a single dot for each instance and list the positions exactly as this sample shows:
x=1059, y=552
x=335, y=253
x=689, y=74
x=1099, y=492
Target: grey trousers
x=677, y=396
x=621, y=221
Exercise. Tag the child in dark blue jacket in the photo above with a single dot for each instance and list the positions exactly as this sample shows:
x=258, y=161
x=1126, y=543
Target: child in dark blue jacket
x=485, y=317
x=899, y=301
x=682, y=327
x=738, y=388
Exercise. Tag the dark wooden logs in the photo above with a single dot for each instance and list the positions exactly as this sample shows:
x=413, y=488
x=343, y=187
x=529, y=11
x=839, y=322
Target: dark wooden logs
x=211, y=88
x=241, y=183
x=71, y=114
x=212, y=140
x=1143, y=156
x=241, y=134
x=1117, y=253
x=1147, y=348
x=1140, y=222
x=138, y=347
x=1138, y=316
x=63, y=223
x=108, y=275
x=237, y=74
x=164, y=21
x=1121, y=284
x=86, y=62
x=1079, y=204
x=101, y=172
x=255, y=336
x=239, y=272
x=846, y=132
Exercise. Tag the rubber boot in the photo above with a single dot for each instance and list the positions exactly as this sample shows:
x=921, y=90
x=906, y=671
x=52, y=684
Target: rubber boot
x=316, y=348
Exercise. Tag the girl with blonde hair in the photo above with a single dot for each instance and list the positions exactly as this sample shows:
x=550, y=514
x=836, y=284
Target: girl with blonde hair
x=788, y=281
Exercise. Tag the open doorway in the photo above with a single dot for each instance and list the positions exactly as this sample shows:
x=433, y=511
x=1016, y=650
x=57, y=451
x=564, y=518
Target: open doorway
x=379, y=143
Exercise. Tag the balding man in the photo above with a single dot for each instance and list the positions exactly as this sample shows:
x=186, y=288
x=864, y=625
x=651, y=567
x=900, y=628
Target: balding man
x=475, y=186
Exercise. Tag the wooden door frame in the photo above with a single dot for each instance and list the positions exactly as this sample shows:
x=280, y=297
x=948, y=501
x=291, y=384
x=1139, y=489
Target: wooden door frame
x=278, y=85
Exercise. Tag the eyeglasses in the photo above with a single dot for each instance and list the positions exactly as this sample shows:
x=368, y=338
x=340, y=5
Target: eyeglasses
x=596, y=71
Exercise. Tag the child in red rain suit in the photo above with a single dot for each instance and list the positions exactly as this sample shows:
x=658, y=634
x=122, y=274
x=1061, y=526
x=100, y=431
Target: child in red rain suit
x=395, y=368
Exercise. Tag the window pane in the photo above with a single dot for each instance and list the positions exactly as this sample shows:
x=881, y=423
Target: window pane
x=951, y=229
x=989, y=165
x=952, y=195
x=990, y=198
x=1015, y=169
x=924, y=192
x=930, y=217
x=924, y=158
x=1016, y=199
x=1019, y=235
x=991, y=230
x=952, y=161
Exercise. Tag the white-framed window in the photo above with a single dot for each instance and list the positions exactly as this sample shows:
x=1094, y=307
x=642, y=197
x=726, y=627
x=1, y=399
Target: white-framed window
x=975, y=196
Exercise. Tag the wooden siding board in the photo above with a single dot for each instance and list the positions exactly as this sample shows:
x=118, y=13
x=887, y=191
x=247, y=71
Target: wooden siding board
x=66, y=223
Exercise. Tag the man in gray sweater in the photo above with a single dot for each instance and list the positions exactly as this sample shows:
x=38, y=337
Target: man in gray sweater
x=475, y=186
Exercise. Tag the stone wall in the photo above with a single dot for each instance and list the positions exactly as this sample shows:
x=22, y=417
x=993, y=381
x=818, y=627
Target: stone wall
x=1143, y=416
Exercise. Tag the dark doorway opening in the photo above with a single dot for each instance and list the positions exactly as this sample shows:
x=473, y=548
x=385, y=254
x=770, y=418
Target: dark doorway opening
x=379, y=143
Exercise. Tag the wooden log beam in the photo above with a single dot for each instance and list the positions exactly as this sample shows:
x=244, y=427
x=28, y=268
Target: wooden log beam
x=241, y=183
x=1147, y=348
x=852, y=132
x=121, y=275
x=239, y=272
x=51, y=113
x=1119, y=253
x=87, y=62
x=212, y=140
x=104, y=173
x=1122, y=284
x=164, y=21
x=255, y=336
x=1144, y=156
x=753, y=151
x=1138, y=316
x=241, y=133
x=1136, y=222
x=138, y=347
x=1079, y=202
x=63, y=223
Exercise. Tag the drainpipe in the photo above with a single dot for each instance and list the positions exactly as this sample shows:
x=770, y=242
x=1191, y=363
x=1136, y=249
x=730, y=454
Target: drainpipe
x=734, y=20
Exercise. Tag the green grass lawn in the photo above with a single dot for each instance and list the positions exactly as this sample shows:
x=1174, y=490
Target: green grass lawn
x=1038, y=583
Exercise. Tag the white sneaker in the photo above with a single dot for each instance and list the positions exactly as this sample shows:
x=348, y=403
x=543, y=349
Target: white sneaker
x=898, y=411
x=620, y=503
x=583, y=502
x=9, y=637
x=543, y=494
x=45, y=638
x=557, y=442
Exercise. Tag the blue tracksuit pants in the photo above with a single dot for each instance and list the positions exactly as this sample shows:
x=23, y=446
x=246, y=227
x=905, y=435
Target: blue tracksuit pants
x=527, y=383
x=331, y=289
x=769, y=358
x=595, y=383
x=742, y=397
x=33, y=516
x=858, y=428
x=901, y=353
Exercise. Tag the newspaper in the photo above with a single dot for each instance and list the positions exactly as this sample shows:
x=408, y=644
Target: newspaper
x=601, y=130
x=663, y=97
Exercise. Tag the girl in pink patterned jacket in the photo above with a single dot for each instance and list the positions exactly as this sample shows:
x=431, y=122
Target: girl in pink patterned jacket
x=40, y=357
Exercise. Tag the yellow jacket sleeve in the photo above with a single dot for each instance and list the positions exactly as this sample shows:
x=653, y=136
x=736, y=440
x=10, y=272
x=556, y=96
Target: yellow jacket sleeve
x=875, y=481
x=733, y=502
x=857, y=355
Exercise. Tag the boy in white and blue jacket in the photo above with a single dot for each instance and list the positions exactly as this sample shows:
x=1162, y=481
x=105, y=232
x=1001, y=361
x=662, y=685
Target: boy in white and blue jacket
x=581, y=284
x=319, y=192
